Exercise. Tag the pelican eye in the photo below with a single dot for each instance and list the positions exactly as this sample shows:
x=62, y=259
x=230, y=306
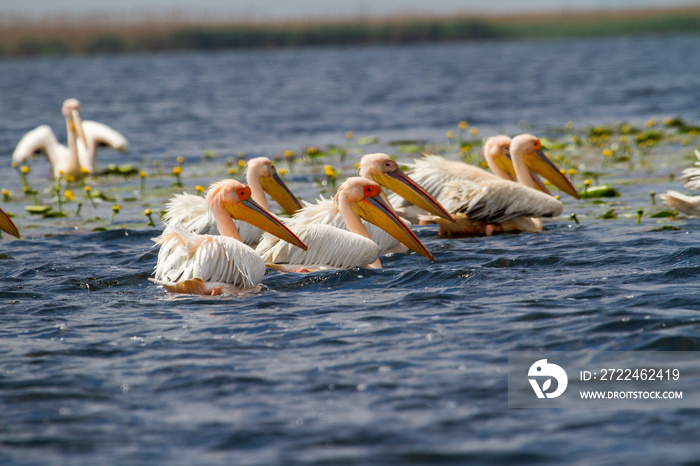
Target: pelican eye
x=244, y=193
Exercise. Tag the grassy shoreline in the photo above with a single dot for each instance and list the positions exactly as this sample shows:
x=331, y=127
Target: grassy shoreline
x=91, y=35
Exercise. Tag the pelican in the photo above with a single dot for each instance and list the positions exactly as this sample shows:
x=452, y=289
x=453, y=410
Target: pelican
x=488, y=205
x=689, y=205
x=7, y=226
x=433, y=172
x=84, y=137
x=211, y=264
x=331, y=247
x=261, y=176
x=383, y=170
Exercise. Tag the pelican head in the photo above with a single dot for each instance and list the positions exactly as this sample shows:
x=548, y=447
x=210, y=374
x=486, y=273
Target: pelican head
x=364, y=197
x=233, y=197
x=496, y=150
x=529, y=148
x=264, y=170
x=384, y=170
x=71, y=111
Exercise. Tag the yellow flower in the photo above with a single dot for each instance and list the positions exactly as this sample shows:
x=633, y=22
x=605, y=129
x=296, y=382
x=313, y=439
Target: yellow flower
x=474, y=131
x=147, y=212
x=650, y=142
x=241, y=163
x=5, y=192
x=14, y=164
x=88, y=189
x=693, y=133
x=288, y=153
x=116, y=208
x=623, y=139
x=349, y=135
x=607, y=153
x=68, y=194
x=462, y=125
x=283, y=171
x=70, y=179
x=312, y=150
x=450, y=134
x=180, y=159
x=667, y=121
x=142, y=174
x=84, y=171
x=557, y=197
x=571, y=171
x=199, y=188
x=330, y=171
x=651, y=122
x=232, y=171
x=587, y=182
x=25, y=169
x=177, y=170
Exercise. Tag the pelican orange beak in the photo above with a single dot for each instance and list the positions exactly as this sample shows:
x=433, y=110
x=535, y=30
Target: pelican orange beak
x=249, y=211
x=77, y=126
x=539, y=163
x=7, y=226
x=374, y=210
x=275, y=187
x=405, y=187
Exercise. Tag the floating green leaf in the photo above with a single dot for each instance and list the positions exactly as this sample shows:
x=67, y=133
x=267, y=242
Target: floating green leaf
x=599, y=191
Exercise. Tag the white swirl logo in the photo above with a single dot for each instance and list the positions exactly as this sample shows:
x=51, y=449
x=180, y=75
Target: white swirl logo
x=542, y=368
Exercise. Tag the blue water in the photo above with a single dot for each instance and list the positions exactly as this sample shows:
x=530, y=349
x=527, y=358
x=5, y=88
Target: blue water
x=407, y=364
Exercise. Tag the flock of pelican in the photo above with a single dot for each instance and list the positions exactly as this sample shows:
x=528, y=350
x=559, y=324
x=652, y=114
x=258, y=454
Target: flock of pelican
x=222, y=243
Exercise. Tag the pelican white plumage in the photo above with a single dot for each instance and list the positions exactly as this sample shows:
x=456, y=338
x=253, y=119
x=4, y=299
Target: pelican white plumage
x=7, y=226
x=331, y=247
x=383, y=170
x=210, y=264
x=487, y=205
x=84, y=137
x=191, y=212
x=434, y=172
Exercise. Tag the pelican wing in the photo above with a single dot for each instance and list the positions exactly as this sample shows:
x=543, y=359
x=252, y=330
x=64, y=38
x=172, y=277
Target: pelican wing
x=99, y=134
x=328, y=247
x=36, y=140
x=432, y=173
x=212, y=259
x=325, y=212
x=689, y=205
x=498, y=201
x=191, y=213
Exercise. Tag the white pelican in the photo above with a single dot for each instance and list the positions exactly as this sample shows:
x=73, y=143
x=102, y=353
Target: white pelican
x=491, y=205
x=689, y=205
x=7, y=226
x=208, y=264
x=331, y=247
x=385, y=171
x=191, y=211
x=433, y=172
x=84, y=137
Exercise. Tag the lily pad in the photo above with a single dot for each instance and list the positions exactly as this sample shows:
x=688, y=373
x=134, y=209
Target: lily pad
x=599, y=191
x=609, y=215
x=55, y=214
x=123, y=170
x=665, y=214
x=37, y=209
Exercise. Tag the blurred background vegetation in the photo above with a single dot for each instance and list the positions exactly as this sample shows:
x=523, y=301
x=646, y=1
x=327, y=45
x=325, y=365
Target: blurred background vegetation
x=91, y=35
